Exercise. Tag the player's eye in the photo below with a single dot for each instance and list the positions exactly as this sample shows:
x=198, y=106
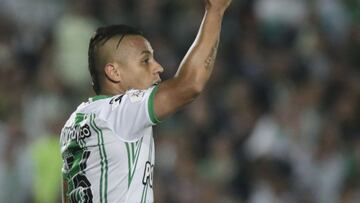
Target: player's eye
x=146, y=60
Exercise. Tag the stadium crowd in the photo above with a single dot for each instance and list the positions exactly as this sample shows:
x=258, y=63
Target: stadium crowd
x=278, y=123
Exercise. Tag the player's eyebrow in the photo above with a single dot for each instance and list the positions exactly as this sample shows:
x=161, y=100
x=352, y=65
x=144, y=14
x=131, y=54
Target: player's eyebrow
x=146, y=52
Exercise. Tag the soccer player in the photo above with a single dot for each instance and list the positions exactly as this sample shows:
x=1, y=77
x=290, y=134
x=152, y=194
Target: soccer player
x=107, y=145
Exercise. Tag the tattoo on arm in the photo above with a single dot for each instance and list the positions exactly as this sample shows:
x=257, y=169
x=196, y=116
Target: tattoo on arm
x=209, y=62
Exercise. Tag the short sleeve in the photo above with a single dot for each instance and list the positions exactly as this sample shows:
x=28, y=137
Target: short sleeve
x=133, y=113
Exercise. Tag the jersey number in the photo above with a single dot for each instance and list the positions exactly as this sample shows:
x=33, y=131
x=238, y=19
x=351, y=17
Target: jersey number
x=82, y=186
x=148, y=174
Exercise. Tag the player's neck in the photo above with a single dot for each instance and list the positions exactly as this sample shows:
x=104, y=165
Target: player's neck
x=113, y=90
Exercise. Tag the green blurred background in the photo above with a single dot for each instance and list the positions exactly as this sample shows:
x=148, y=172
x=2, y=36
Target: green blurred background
x=278, y=122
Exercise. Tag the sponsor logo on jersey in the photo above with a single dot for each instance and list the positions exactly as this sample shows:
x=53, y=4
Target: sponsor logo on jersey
x=76, y=132
x=148, y=174
x=116, y=100
x=136, y=95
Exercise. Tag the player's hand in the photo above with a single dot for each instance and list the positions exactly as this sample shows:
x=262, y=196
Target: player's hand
x=219, y=5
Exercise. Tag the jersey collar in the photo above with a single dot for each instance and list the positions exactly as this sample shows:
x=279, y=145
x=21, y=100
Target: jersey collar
x=98, y=97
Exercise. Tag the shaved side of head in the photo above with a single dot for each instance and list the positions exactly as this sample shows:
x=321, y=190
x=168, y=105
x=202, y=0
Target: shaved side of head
x=104, y=47
x=108, y=52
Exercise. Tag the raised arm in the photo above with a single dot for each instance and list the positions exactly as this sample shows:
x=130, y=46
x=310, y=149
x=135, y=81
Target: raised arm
x=197, y=65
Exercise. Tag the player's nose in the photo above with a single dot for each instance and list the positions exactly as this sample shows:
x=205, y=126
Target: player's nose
x=158, y=68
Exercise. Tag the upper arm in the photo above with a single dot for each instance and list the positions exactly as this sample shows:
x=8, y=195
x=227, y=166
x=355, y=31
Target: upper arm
x=170, y=96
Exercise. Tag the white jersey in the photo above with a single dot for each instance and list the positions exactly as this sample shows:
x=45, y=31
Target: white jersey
x=108, y=149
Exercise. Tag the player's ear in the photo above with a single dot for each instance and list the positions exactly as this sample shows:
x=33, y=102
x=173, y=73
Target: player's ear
x=112, y=72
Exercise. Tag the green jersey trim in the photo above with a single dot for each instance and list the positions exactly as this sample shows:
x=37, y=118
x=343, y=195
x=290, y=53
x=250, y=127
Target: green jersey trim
x=144, y=194
x=133, y=152
x=98, y=97
x=152, y=114
x=103, y=161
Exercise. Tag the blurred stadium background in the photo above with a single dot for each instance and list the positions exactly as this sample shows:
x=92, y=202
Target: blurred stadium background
x=278, y=123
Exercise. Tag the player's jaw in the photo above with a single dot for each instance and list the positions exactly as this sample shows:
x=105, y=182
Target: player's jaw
x=157, y=80
x=147, y=82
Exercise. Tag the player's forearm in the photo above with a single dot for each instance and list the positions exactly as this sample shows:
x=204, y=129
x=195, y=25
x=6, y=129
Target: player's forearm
x=197, y=65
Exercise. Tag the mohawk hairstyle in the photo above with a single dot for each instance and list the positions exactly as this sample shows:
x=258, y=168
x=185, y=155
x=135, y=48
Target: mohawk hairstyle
x=100, y=37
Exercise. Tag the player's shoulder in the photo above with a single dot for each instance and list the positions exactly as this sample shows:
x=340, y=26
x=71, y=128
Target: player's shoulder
x=137, y=95
x=97, y=104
